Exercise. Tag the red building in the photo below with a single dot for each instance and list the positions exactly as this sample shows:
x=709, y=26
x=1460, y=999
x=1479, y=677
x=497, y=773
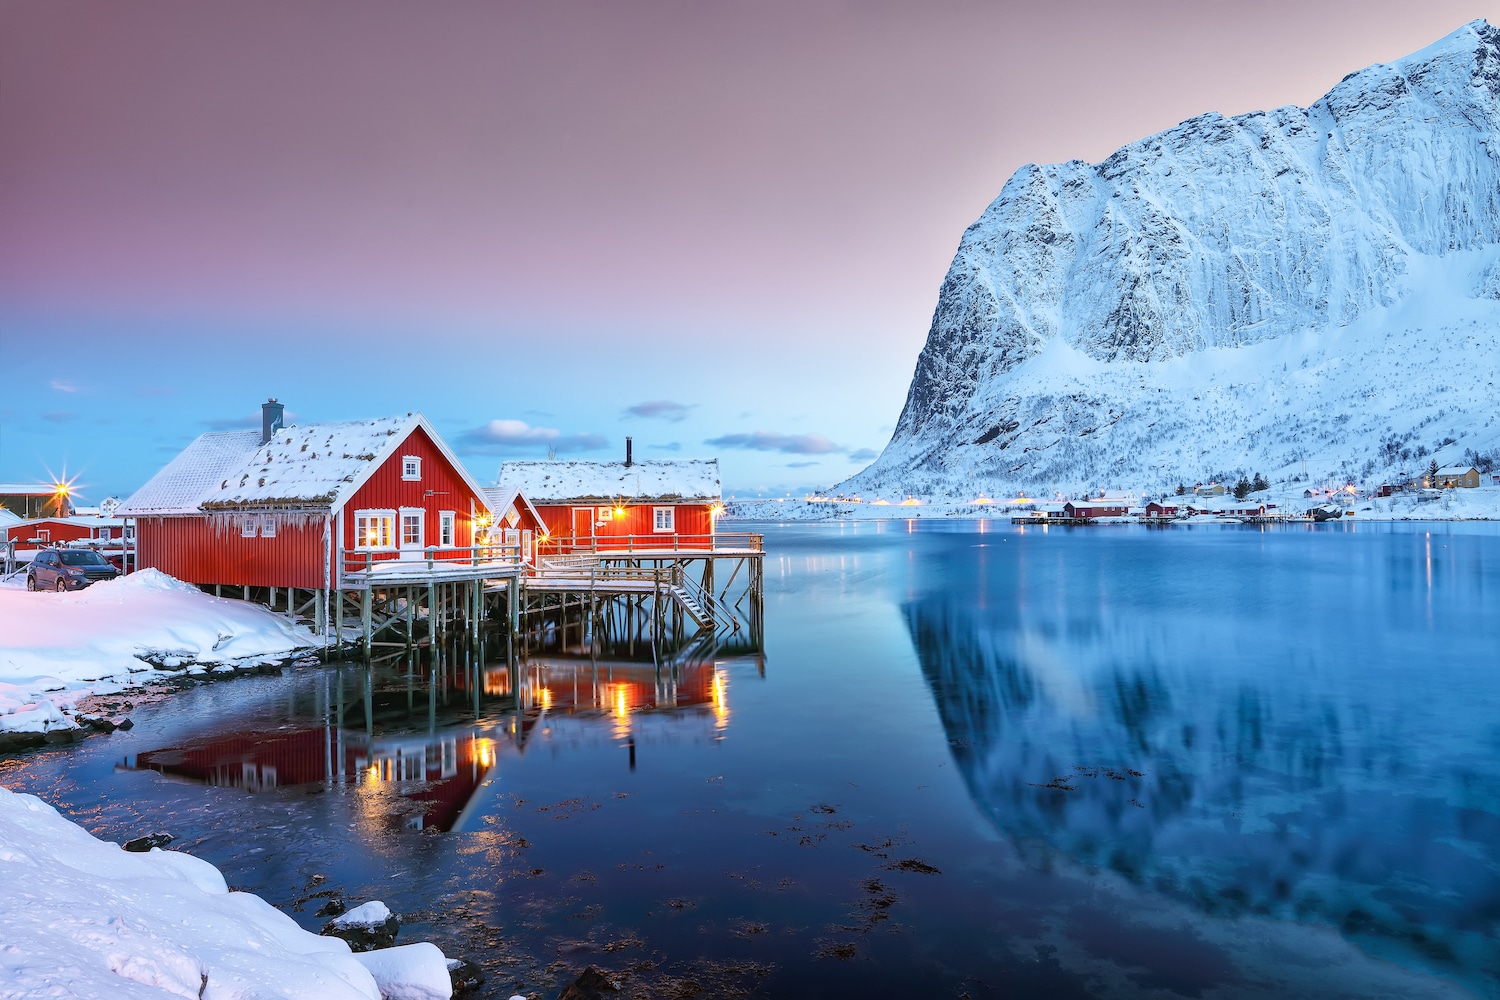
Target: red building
x=615, y=506
x=1158, y=508
x=302, y=506
x=1095, y=508
x=43, y=531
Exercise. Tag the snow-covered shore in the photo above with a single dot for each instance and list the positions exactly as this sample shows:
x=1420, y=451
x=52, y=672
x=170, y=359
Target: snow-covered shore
x=1481, y=504
x=57, y=648
x=81, y=917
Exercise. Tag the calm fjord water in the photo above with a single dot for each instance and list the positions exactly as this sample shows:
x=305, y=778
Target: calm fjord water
x=974, y=759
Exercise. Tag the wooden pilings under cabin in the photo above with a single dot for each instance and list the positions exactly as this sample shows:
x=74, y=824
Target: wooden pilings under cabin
x=658, y=602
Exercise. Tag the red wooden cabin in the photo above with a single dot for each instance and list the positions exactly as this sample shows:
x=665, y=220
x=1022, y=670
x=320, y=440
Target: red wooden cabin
x=619, y=506
x=1095, y=508
x=300, y=506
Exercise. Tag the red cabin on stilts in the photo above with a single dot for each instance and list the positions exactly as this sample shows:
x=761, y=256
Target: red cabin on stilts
x=620, y=506
x=296, y=507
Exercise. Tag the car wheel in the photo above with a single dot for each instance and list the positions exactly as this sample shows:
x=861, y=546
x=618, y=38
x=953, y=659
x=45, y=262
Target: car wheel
x=62, y=585
x=30, y=582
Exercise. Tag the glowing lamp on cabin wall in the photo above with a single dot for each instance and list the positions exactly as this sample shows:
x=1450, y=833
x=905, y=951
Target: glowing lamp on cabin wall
x=619, y=513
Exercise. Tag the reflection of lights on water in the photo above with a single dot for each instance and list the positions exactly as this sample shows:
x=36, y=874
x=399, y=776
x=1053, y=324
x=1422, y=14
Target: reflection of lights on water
x=622, y=704
x=546, y=696
x=484, y=751
x=721, y=704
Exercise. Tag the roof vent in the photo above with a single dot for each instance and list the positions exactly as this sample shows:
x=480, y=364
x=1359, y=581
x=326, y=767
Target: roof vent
x=628, y=462
x=270, y=419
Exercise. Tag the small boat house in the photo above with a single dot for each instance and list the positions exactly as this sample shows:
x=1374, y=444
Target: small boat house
x=620, y=506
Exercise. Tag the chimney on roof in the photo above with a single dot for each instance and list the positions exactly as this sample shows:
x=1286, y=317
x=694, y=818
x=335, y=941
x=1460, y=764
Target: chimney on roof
x=628, y=462
x=270, y=419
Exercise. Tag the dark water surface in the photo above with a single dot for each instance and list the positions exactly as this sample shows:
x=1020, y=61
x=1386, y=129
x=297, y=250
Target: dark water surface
x=974, y=759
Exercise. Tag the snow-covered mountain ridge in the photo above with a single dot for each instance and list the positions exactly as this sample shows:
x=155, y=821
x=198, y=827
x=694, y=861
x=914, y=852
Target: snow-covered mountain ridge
x=1317, y=286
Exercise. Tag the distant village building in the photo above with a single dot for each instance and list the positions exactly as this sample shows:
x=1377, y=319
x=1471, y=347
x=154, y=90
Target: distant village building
x=1090, y=509
x=621, y=505
x=31, y=500
x=301, y=506
x=44, y=531
x=1463, y=477
x=1163, y=509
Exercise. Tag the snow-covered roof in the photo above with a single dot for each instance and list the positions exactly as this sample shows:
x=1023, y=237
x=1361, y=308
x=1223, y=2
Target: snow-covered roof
x=1456, y=470
x=320, y=465
x=9, y=517
x=500, y=499
x=563, y=482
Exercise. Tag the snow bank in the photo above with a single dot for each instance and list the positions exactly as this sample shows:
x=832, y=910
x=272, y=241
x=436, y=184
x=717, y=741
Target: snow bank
x=55, y=648
x=81, y=917
x=409, y=972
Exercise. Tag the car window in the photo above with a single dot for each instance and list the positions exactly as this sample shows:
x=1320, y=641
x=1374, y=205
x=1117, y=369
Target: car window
x=81, y=558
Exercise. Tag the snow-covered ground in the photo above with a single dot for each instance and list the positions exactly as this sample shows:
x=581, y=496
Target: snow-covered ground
x=57, y=648
x=81, y=917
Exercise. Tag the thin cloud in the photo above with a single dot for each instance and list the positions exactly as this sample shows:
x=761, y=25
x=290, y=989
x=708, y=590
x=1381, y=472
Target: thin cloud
x=669, y=446
x=502, y=437
x=863, y=455
x=60, y=417
x=801, y=465
x=659, y=409
x=788, y=444
x=62, y=386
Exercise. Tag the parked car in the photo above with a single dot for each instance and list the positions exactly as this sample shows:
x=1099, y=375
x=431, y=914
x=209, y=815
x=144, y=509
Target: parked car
x=67, y=569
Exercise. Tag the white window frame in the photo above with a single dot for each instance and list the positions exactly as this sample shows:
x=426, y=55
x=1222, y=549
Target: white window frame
x=448, y=529
x=421, y=515
x=249, y=525
x=376, y=514
x=411, y=468
x=670, y=525
x=603, y=515
x=268, y=526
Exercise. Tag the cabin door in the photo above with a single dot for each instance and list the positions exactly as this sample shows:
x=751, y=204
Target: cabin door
x=413, y=535
x=583, y=527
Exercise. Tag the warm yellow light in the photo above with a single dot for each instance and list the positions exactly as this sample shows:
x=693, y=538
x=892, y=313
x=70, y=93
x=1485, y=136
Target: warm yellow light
x=546, y=694
x=983, y=499
x=911, y=502
x=880, y=503
x=619, y=512
x=61, y=489
x=721, y=705
x=484, y=752
x=716, y=510
x=622, y=707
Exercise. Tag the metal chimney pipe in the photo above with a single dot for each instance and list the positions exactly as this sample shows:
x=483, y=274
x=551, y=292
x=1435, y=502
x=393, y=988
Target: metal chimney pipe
x=628, y=462
x=270, y=419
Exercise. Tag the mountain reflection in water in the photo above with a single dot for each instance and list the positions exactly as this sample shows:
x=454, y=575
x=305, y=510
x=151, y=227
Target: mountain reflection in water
x=1307, y=774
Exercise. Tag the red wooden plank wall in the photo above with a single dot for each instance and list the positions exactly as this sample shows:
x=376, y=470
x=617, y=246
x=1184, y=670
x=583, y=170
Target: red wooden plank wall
x=190, y=549
x=386, y=490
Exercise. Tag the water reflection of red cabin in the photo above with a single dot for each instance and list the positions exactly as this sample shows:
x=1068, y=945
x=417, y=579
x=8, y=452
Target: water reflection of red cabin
x=441, y=770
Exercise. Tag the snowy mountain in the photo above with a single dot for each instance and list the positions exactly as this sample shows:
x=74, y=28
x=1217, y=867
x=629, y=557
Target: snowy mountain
x=1311, y=288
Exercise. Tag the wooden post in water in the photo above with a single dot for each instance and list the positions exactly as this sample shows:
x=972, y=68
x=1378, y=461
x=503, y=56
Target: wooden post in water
x=365, y=627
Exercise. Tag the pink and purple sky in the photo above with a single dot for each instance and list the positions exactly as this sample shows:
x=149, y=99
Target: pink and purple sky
x=717, y=228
